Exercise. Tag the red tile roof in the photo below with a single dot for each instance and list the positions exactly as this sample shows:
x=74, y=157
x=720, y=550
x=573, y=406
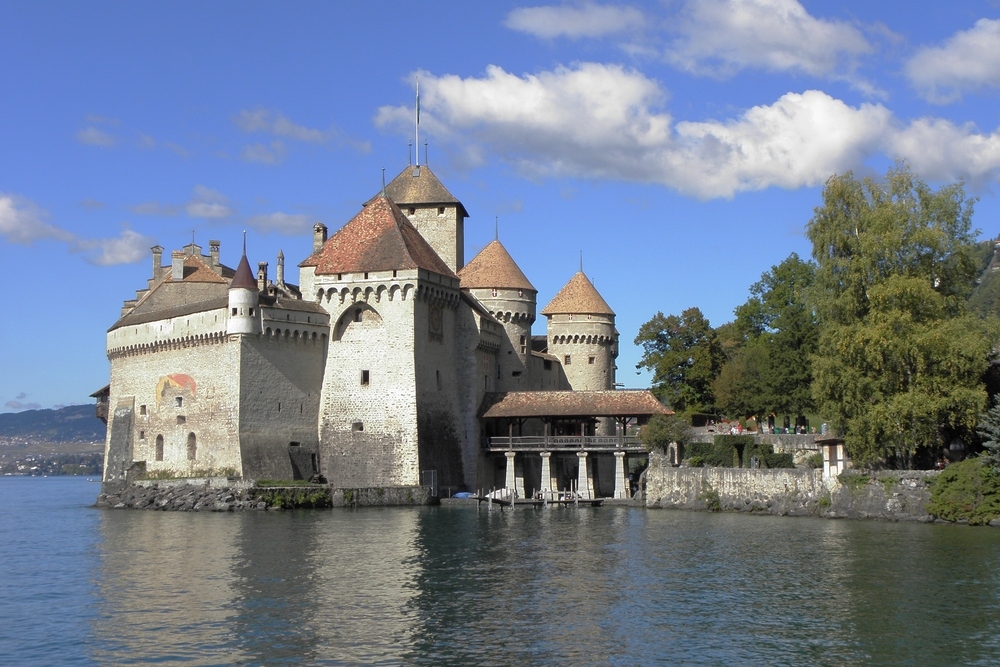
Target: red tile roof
x=378, y=238
x=494, y=267
x=579, y=297
x=627, y=403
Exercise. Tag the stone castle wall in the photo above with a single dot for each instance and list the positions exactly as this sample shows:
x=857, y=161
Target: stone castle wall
x=591, y=347
x=281, y=380
x=190, y=388
x=441, y=435
x=369, y=431
x=444, y=231
x=891, y=495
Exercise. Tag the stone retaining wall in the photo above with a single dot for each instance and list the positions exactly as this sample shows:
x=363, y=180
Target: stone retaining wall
x=222, y=495
x=887, y=495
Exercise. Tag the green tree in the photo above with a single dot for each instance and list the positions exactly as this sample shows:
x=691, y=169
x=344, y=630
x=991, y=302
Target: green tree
x=685, y=356
x=988, y=429
x=772, y=371
x=661, y=431
x=900, y=360
x=743, y=386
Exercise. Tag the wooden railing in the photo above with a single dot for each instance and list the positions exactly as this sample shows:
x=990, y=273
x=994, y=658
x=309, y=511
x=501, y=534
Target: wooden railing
x=550, y=442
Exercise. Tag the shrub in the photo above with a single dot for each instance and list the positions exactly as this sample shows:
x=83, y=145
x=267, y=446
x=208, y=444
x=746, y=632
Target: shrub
x=663, y=430
x=967, y=490
x=815, y=461
x=711, y=497
x=696, y=462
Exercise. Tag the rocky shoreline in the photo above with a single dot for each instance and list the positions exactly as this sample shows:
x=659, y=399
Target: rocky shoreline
x=228, y=495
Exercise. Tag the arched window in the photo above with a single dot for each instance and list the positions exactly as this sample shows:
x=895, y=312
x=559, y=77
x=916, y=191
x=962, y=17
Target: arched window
x=159, y=448
x=192, y=447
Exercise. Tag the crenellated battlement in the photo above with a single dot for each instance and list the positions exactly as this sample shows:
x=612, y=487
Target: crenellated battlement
x=580, y=339
x=176, y=343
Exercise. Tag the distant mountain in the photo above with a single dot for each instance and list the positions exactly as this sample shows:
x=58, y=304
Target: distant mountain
x=74, y=423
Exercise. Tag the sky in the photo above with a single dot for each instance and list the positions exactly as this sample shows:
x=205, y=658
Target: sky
x=679, y=147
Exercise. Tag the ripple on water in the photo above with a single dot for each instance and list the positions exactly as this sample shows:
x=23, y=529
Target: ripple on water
x=457, y=586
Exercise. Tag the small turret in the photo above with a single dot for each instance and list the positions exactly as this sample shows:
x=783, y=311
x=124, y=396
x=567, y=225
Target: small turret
x=279, y=277
x=244, y=300
x=581, y=332
x=499, y=284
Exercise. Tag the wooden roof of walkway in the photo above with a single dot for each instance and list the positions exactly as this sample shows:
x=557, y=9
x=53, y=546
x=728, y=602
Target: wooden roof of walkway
x=564, y=404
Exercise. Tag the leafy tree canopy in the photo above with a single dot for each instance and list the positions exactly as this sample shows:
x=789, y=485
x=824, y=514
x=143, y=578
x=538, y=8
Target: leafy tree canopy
x=684, y=354
x=900, y=360
x=771, y=371
x=662, y=431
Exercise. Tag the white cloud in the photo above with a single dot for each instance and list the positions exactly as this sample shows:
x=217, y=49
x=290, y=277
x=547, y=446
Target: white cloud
x=273, y=122
x=968, y=61
x=939, y=150
x=603, y=121
x=155, y=208
x=22, y=222
x=586, y=20
x=93, y=136
x=278, y=125
x=283, y=223
x=800, y=140
x=128, y=248
x=18, y=405
x=722, y=37
x=265, y=154
x=208, y=203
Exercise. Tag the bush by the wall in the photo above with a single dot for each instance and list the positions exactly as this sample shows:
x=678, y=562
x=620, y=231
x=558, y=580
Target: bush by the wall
x=718, y=456
x=967, y=490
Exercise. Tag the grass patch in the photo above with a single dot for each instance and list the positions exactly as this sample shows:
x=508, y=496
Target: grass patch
x=264, y=483
x=853, y=481
x=711, y=497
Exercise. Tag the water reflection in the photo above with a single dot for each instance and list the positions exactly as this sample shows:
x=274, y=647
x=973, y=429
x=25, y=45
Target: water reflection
x=165, y=588
x=453, y=586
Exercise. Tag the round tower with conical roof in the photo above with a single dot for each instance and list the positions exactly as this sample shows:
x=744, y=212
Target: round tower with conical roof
x=495, y=279
x=581, y=333
x=244, y=300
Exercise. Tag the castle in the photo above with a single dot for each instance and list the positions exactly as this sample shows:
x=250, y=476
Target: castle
x=391, y=359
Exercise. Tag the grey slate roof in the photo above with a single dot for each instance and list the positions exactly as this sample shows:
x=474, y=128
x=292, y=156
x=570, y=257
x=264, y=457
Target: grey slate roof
x=419, y=186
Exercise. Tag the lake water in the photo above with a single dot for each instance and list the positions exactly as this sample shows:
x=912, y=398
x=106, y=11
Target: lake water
x=456, y=586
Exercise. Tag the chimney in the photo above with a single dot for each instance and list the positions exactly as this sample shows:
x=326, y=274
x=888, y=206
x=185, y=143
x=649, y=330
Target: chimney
x=157, y=260
x=280, y=277
x=261, y=275
x=177, y=265
x=213, y=250
x=319, y=236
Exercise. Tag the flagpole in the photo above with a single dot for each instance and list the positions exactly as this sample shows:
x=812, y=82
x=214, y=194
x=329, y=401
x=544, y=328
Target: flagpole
x=416, y=121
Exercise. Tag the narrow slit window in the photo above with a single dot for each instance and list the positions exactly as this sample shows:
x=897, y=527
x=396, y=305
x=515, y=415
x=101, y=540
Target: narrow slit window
x=365, y=378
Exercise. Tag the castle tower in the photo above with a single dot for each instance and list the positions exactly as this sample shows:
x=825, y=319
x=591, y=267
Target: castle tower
x=244, y=301
x=435, y=212
x=390, y=401
x=581, y=332
x=499, y=284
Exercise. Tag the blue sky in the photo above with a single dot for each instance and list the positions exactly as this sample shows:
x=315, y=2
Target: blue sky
x=680, y=146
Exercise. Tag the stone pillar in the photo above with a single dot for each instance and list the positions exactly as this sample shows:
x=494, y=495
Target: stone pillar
x=510, y=483
x=621, y=481
x=546, y=482
x=584, y=485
